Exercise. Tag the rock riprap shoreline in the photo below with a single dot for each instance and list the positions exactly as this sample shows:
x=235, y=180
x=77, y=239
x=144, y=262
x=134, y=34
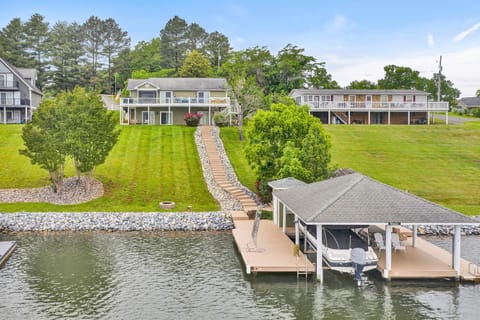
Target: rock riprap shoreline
x=115, y=221
x=74, y=191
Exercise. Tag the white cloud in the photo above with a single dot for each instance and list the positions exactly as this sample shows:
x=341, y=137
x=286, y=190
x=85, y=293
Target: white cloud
x=462, y=35
x=430, y=40
x=339, y=22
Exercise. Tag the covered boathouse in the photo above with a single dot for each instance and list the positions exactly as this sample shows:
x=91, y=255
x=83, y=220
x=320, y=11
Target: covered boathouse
x=355, y=199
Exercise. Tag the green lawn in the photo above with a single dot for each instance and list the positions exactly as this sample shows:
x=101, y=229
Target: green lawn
x=234, y=149
x=440, y=163
x=149, y=164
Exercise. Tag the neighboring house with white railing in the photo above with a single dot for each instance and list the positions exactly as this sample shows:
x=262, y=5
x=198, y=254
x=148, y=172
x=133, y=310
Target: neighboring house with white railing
x=349, y=106
x=164, y=101
x=19, y=96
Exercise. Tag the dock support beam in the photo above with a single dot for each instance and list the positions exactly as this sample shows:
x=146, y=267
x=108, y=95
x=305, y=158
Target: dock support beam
x=388, y=251
x=297, y=231
x=456, y=250
x=319, y=264
x=284, y=222
x=414, y=235
x=275, y=210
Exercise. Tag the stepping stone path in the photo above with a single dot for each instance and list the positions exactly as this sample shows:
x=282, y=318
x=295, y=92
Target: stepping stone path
x=248, y=204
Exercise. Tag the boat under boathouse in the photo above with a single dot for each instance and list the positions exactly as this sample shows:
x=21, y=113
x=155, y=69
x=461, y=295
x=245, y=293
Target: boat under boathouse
x=355, y=199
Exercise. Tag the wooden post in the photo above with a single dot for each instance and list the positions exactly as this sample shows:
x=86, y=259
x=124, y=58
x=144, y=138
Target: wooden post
x=319, y=254
x=446, y=117
x=284, y=222
x=456, y=250
x=349, y=122
x=388, y=251
x=408, y=117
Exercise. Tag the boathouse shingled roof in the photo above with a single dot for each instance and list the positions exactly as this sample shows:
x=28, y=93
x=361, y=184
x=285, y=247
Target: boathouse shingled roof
x=285, y=183
x=212, y=84
x=358, y=199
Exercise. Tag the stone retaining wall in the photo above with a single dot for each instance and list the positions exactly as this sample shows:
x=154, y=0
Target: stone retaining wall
x=115, y=221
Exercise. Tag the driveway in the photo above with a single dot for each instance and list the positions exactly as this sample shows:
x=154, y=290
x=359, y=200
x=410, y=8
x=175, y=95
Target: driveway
x=454, y=119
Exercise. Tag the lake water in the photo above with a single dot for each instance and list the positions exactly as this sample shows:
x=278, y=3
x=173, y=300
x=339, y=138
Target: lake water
x=183, y=275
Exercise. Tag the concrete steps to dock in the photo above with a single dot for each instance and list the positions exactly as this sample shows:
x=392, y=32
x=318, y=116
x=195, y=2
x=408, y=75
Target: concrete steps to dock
x=248, y=204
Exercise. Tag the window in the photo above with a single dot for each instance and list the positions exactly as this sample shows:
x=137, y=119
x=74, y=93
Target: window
x=384, y=100
x=203, y=96
x=166, y=96
x=3, y=79
x=165, y=117
x=353, y=101
x=147, y=96
x=3, y=98
x=368, y=101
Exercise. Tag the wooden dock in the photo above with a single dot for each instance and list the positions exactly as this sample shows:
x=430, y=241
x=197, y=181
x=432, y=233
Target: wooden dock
x=6, y=249
x=424, y=261
x=274, y=251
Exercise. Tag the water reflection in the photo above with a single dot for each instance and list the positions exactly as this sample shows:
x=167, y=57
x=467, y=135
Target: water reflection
x=70, y=274
x=198, y=276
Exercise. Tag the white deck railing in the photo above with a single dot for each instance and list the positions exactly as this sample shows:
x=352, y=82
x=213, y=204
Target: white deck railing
x=176, y=101
x=384, y=106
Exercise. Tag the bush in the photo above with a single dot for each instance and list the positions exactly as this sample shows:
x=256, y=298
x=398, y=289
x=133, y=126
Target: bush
x=192, y=119
x=219, y=119
x=264, y=192
x=476, y=112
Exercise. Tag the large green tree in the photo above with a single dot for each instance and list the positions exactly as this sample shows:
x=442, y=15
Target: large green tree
x=216, y=48
x=174, y=44
x=196, y=37
x=398, y=77
x=45, y=140
x=94, y=34
x=36, y=33
x=66, y=54
x=91, y=131
x=13, y=44
x=74, y=124
x=287, y=141
x=116, y=40
x=362, y=84
x=196, y=65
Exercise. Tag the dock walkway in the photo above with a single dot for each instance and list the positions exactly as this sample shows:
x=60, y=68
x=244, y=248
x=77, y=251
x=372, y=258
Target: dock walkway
x=6, y=249
x=274, y=251
x=424, y=261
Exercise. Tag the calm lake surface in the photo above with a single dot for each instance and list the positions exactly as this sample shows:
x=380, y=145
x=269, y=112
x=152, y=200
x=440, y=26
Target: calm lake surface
x=182, y=275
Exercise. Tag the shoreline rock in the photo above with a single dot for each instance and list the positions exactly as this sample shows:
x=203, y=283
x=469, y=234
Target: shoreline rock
x=114, y=221
x=74, y=191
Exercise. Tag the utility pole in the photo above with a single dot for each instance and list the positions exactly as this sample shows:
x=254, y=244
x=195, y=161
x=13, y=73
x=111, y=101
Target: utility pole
x=439, y=84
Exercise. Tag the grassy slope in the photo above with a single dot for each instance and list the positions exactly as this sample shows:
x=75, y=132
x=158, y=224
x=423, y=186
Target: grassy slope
x=234, y=149
x=149, y=164
x=439, y=163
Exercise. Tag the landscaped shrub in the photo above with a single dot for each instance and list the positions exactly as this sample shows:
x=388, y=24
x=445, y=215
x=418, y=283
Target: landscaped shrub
x=220, y=119
x=192, y=119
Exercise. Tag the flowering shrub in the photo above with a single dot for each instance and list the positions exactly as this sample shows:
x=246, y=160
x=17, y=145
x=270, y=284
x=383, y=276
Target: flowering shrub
x=192, y=119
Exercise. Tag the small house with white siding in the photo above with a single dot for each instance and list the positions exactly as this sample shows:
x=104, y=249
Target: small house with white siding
x=165, y=101
x=348, y=106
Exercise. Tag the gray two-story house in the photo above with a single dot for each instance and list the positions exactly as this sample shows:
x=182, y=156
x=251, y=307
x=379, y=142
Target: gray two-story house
x=19, y=96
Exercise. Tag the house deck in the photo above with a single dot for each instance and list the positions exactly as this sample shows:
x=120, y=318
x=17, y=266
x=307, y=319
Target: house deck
x=6, y=249
x=274, y=251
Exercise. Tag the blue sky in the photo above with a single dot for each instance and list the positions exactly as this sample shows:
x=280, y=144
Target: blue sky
x=355, y=38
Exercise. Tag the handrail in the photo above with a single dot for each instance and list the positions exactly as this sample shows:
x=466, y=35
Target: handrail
x=9, y=84
x=475, y=267
x=347, y=105
x=177, y=100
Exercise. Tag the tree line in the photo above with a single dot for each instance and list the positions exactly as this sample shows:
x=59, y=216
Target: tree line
x=96, y=54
